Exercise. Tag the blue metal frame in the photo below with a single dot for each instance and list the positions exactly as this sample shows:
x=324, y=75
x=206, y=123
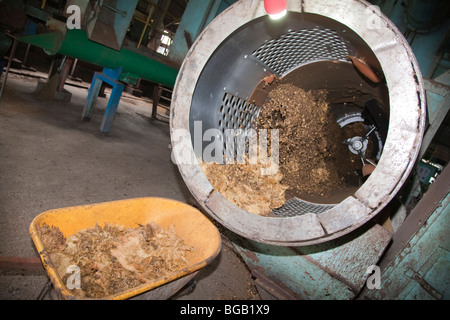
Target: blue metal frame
x=111, y=77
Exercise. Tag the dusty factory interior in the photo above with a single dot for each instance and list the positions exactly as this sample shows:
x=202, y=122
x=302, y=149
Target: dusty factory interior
x=224, y=150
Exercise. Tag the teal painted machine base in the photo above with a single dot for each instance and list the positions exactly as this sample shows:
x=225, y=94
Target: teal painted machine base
x=417, y=264
x=336, y=270
x=111, y=77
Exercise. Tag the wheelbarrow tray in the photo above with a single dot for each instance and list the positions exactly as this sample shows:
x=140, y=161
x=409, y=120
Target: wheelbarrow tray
x=189, y=224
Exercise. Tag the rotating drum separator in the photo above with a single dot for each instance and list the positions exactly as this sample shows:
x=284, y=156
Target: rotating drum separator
x=317, y=45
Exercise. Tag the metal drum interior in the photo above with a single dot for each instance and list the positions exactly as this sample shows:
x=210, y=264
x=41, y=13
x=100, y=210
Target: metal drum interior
x=219, y=87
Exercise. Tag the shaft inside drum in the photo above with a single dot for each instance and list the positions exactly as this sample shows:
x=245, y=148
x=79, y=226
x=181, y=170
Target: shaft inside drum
x=370, y=79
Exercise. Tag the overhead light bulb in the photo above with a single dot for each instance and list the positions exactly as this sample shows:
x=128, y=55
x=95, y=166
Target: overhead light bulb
x=276, y=9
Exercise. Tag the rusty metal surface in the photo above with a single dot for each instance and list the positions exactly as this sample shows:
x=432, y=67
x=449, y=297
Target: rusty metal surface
x=20, y=263
x=273, y=288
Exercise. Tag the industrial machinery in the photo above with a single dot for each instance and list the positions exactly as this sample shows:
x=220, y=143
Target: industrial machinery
x=311, y=44
x=122, y=37
x=96, y=32
x=306, y=250
x=324, y=249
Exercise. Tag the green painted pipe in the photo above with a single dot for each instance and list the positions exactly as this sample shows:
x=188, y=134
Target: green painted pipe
x=77, y=45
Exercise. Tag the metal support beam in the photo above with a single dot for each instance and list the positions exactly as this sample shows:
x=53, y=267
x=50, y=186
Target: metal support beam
x=438, y=96
x=157, y=90
x=11, y=56
x=147, y=23
x=438, y=105
x=64, y=72
x=198, y=14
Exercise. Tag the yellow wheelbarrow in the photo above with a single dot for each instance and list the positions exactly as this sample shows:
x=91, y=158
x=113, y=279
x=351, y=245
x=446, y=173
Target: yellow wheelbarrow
x=189, y=224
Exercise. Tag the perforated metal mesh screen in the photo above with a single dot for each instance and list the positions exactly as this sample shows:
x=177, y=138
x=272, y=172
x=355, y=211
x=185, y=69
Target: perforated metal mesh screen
x=295, y=207
x=235, y=113
x=297, y=47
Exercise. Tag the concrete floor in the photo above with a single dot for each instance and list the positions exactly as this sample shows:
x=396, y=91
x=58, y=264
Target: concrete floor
x=50, y=158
